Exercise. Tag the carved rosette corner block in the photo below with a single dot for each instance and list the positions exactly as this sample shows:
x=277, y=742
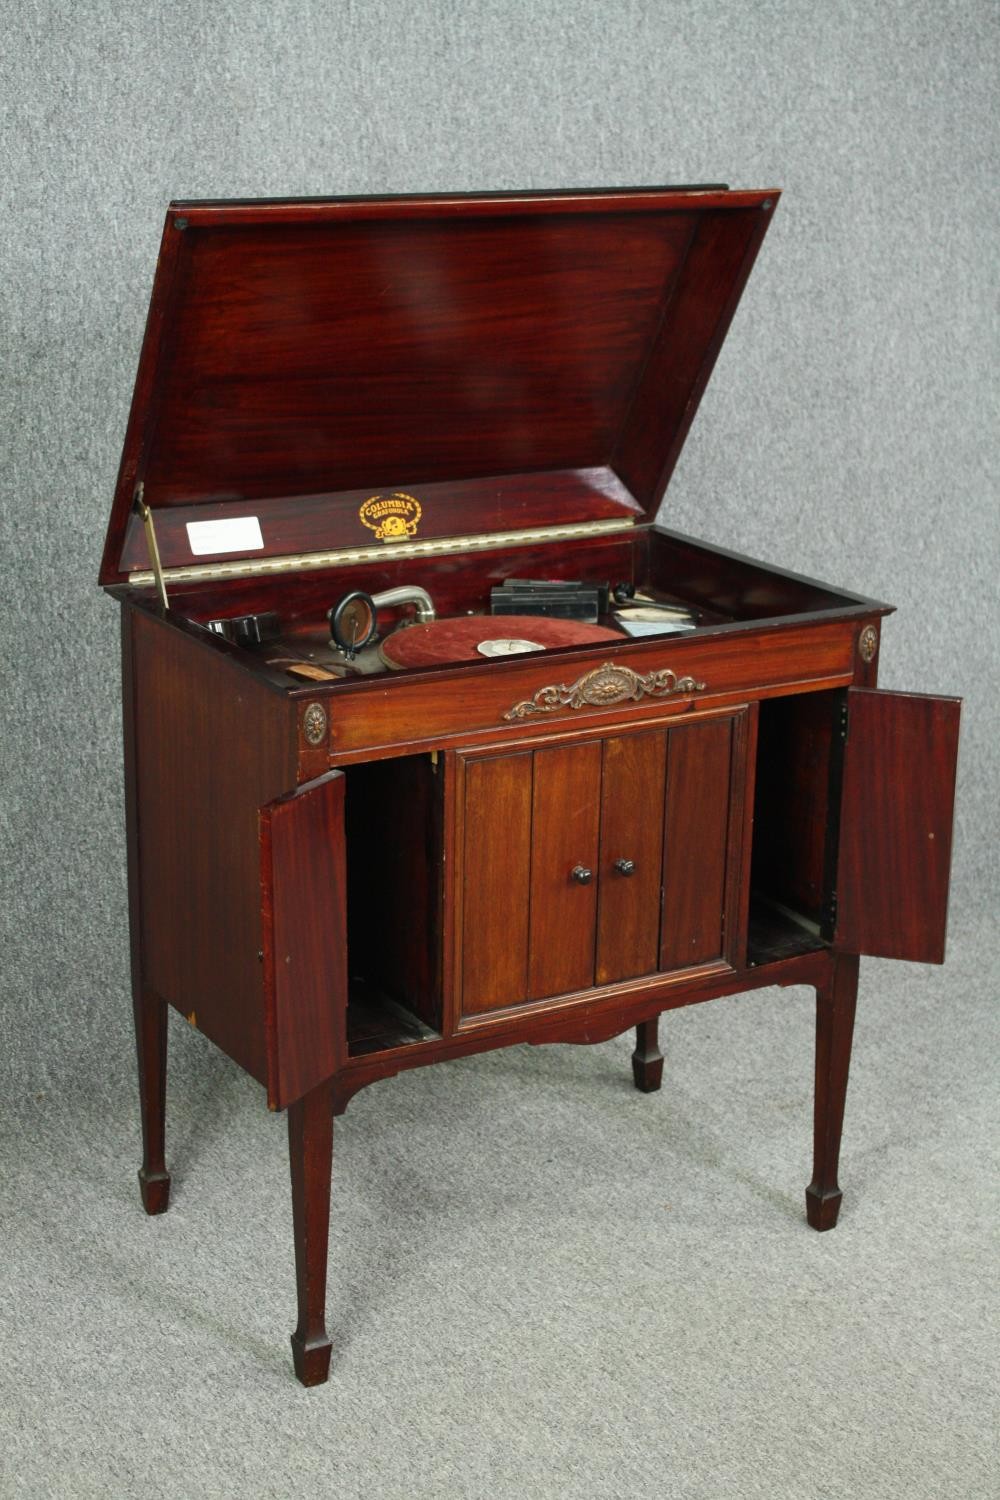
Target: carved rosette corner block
x=604, y=687
x=314, y=724
x=868, y=643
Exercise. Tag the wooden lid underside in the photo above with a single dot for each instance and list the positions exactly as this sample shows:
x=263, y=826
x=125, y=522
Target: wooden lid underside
x=485, y=364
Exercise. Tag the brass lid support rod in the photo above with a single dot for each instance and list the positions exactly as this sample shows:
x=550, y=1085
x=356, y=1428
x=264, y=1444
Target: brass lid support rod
x=146, y=516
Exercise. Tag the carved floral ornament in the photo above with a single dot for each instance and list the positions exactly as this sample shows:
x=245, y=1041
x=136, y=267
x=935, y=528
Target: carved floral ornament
x=604, y=687
x=314, y=724
x=868, y=643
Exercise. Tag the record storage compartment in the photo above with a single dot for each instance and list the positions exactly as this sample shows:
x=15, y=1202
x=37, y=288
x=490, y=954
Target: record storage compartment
x=796, y=808
x=395, y=863
x=405, y=905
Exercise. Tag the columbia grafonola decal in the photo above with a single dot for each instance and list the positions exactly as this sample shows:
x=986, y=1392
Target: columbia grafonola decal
x=393, y=517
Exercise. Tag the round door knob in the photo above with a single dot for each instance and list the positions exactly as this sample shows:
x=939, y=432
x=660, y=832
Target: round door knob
x=581, y=874
x=625, y=866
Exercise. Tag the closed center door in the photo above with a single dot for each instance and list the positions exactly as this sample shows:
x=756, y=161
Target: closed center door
x=565, y=823
x=497, y=859
x=696, y=843
x=628, y=921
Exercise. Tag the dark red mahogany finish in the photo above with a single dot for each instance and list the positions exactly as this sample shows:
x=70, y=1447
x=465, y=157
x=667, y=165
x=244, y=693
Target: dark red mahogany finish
x=339, y=879
x=302, y=357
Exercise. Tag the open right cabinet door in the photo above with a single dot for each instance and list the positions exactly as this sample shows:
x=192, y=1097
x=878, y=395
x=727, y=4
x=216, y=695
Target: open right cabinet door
x=895, y=824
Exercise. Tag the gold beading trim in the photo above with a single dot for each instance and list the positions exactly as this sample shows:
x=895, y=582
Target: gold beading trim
x=346, y=557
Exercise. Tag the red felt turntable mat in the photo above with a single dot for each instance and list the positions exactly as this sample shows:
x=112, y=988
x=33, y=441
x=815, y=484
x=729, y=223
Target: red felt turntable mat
x=457, y=640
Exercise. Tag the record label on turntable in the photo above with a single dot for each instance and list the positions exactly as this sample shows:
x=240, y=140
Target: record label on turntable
x=505, y=646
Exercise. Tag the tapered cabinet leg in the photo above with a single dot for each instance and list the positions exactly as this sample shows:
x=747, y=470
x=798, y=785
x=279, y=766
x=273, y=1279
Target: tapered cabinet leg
x=151, y=1051
x=835, y=1006
x=647, y=1059
x=310, y=1150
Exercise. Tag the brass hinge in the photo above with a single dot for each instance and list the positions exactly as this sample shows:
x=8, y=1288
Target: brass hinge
x=828, y=916
x=844, y=720
x=146, y=516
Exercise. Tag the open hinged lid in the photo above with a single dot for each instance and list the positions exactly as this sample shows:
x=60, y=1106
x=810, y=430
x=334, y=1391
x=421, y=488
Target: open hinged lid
x=336, y=376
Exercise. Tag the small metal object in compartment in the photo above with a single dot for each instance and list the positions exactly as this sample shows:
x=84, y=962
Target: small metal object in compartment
x=248, y=630
x=559, y=598
x=655, y=619
x=581, y=874
x=625, y=866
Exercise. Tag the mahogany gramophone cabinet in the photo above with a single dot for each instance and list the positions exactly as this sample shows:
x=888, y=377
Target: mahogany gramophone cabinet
x=435, y=741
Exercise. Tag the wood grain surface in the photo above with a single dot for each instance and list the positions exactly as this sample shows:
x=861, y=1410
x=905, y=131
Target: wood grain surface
x=497, y=881
x=566, y=801
x=896, y=824
x=304, y=933
x=632, y=790
x=694, y=848
x=389, y=345
x=211, y=746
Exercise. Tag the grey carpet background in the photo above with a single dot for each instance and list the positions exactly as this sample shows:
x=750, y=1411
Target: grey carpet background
x=541, y=1282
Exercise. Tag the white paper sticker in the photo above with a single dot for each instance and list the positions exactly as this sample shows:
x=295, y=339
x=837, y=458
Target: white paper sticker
x=652, y=627
x=239, y=534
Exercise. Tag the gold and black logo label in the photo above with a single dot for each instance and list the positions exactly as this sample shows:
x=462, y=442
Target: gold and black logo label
x=393, y=517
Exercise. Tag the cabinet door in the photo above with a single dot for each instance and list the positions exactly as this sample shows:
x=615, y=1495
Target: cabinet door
x=631, y=860
x=565, y=817
x=529, y=875
x=596, y=861
x=895, y=824
x=695, y=843
x=304, y=933
x=496, y=864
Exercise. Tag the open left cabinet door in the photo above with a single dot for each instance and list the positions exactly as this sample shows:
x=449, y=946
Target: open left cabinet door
x=303, y=906
x=895, y=824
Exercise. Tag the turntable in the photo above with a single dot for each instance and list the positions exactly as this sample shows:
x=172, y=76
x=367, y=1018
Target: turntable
x=356, y=648
x=436, y=738
x=465, y=639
